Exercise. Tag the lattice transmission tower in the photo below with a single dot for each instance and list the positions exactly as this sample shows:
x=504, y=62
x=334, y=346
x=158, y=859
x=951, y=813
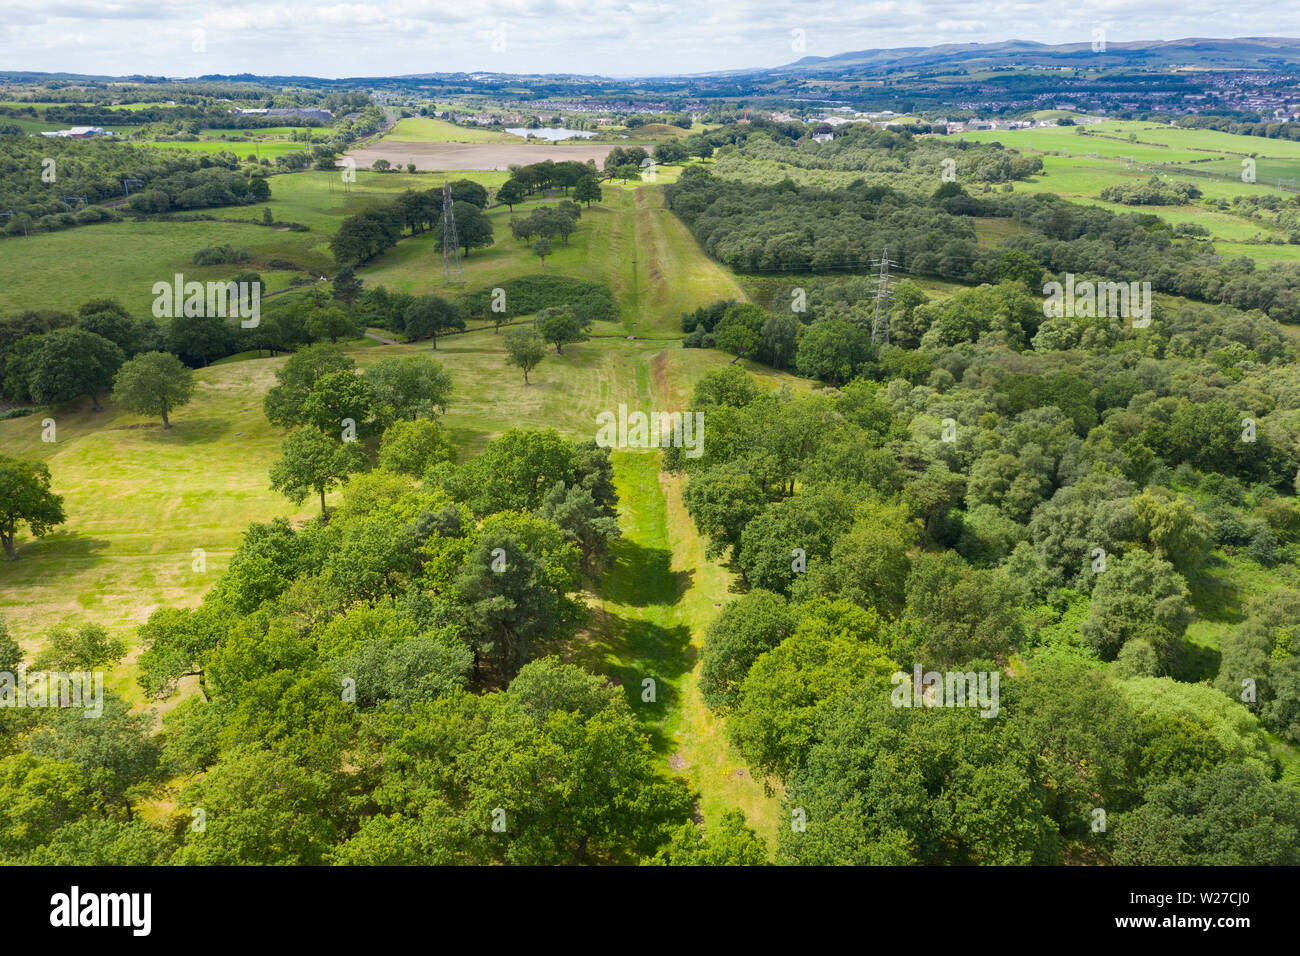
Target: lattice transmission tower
x=452, y=271
x=880, y=321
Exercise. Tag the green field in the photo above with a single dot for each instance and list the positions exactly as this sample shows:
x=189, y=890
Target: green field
x=49, y=270
x=1207, y=159
x=241, y=148
x=628, y=240
x=420, y=129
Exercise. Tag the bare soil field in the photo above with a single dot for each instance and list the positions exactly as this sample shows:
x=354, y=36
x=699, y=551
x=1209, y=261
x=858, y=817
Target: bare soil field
x=496, y=156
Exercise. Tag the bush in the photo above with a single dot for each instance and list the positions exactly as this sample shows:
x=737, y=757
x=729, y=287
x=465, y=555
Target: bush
x=590, y=301
x=220, y=255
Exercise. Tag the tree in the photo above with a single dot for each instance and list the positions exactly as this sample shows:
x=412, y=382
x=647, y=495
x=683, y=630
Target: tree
x=1265, y=650
x=1084, y=736
x=559, y=327
x=587, y=190
x=833, y=649
x=25, y=498
x=1230, y=816
x=153, y=383
x=833, y=350
x=780, y=333
x=310, y=461
x=413, y=447
x=116, y=750
x=868, y=564
x=1138, y=596
x=428, y=316
x=201, y=338
x=473, y=228
x=340, y=396
x=70, y=363
x=510, y=194
x=1172, y=527
x=85, y=648
x=584, y=521
x=748, y=626
x=721, y=501
x=731, y=843
x=329, y=322
x=896, y=786
x=37, y=797
x=964, y=613
x=254, y=801
x=524, y=349
x=410, y=385
x=740, y=331
x=110, y=319
x=516, y=471
x=346, y=286
x=515, y=584
x=730, y=386
x=542, y=249
x=296, y=379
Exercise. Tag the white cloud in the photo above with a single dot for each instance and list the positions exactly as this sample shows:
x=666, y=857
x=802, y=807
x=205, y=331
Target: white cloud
x=645, y=37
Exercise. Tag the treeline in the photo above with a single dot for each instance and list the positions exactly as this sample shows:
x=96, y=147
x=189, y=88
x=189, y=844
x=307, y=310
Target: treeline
x=1242, y=127
x=788, y=228
x=50, y=357
x=1153, y=192
x=193, y=110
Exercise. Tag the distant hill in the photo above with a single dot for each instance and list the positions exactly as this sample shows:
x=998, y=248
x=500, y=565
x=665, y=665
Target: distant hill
x=1243, y=52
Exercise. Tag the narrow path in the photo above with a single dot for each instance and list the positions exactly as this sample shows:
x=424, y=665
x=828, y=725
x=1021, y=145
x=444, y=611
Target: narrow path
x=650, y=611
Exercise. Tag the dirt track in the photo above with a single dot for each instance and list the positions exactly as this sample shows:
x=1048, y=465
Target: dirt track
x=474, y=155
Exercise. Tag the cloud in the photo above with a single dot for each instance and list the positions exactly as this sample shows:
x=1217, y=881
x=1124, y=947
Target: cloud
x=612, y=37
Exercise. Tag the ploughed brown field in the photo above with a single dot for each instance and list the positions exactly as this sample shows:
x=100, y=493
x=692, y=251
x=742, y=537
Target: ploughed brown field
x=496, y=156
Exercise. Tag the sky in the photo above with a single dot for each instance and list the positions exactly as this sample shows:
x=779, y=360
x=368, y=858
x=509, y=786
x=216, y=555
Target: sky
x=626, y=38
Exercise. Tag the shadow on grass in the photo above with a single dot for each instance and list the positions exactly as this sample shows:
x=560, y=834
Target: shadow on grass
x=1213, y=593
x=1195, y=662
x=184, y=431
x=639, y=576
x=630, y=651
x=57, y=544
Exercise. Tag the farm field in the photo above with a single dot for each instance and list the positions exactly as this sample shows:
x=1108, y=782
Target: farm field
x=480, y=156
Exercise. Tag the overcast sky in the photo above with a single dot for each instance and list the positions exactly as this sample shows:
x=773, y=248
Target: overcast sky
x=630, y=37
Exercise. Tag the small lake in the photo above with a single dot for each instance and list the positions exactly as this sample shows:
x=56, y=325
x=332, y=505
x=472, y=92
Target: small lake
x=553, y=133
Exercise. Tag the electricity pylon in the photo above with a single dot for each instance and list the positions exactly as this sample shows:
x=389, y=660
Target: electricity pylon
x=880, y=321
x=452, y=271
